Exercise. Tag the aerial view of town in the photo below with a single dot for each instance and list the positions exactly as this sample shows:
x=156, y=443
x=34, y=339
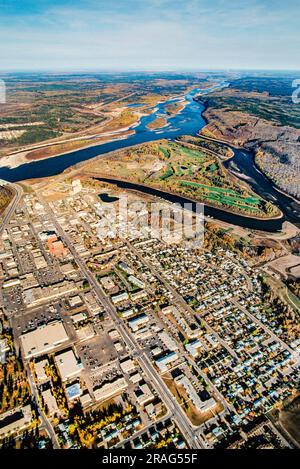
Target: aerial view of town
x=149, y=228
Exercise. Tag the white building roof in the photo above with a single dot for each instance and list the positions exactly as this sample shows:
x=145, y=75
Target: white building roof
x=109, y=389
x=68, y=365
x=43, y=339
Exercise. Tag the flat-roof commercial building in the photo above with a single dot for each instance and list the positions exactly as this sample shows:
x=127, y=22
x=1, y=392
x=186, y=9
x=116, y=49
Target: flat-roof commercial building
x=139, y=295
x=144, y=395
x=92, y=303
x=78, y=317
x=193, y=347
x=11, y=283
x=163, y=362
x=40, y=370
x=67, y=268
x=138, y=321
x=75, y=301
x=135, y=377
x=68, y=365
x=120, y=297
x=43, y=339
x=108, y=283
x=168, y=341
x=127, y=313
x=203, y=406
x=127, y=366
x=85, y=399
x=38, y=295
x=50, y=401
x=110, y=389
x=15, y=420
x=169, y=309
x=55, y=246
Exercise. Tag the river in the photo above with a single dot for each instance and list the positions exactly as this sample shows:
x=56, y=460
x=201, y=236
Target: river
x=188, y=122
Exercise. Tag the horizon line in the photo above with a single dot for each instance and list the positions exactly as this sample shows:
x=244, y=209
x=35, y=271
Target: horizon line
x=147, y=70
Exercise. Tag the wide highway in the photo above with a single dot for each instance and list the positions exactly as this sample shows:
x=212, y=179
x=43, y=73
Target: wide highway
x=9, y=211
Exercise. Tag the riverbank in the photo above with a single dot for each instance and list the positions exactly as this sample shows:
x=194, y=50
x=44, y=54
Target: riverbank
x=14, y=161
x=188, y=122
x=18, y=157
x=259, y=168
x=238, y=117
x=186, y=170
x=164, y=194
x=202, y=134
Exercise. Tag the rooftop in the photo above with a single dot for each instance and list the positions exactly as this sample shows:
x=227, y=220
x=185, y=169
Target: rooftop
x=43, y=339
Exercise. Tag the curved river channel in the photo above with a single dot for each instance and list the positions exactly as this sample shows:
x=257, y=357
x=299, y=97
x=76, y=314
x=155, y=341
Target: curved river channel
x=188, y=122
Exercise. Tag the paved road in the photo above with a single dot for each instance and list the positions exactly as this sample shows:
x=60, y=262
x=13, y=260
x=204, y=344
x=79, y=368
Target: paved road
x=56, y=141
x=264, y=327
x=9, y=211
x=45, y=423
x=143, y=430
x=180, y=300
x=165, y=394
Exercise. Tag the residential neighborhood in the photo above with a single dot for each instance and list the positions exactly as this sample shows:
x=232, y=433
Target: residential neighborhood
x=134, y=343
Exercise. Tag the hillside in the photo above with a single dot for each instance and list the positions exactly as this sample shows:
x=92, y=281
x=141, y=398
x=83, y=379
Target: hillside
x=259, y=114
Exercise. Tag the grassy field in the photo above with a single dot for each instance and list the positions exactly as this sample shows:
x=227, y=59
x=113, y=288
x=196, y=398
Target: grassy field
x=221, y=150
x=226, y=197
x=178, y=168
x=169, y=172
x=290, y=419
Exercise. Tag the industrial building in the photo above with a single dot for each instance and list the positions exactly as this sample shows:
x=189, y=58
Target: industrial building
x=68, y=365
x=138, y=321
x=43, y=339
x=110, y=389
x=163, y=362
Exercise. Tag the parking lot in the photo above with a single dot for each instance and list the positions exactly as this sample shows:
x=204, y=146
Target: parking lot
x=99, y=358
x=25, y=322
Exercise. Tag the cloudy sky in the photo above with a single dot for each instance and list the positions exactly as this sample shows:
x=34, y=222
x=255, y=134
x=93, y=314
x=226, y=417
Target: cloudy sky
x=149, y=34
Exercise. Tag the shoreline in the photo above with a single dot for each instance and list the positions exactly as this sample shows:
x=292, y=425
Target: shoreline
x=107, y=179
x=294, y=198
x=233, y=173
x=203, y=102
x=19, y=158
x=242, y=148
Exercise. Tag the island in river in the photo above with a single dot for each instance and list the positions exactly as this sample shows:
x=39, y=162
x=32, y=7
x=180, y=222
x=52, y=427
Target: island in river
x=185, y=169
x=48, y=114
x=158, y=123
x=186, y=122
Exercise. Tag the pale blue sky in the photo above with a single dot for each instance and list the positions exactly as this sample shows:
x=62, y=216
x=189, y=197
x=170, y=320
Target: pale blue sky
x=149, y=34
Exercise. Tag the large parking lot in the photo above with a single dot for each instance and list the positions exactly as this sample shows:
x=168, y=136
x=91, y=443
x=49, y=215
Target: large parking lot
x=96, y=353
x=12, y=299
x=33, y=319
